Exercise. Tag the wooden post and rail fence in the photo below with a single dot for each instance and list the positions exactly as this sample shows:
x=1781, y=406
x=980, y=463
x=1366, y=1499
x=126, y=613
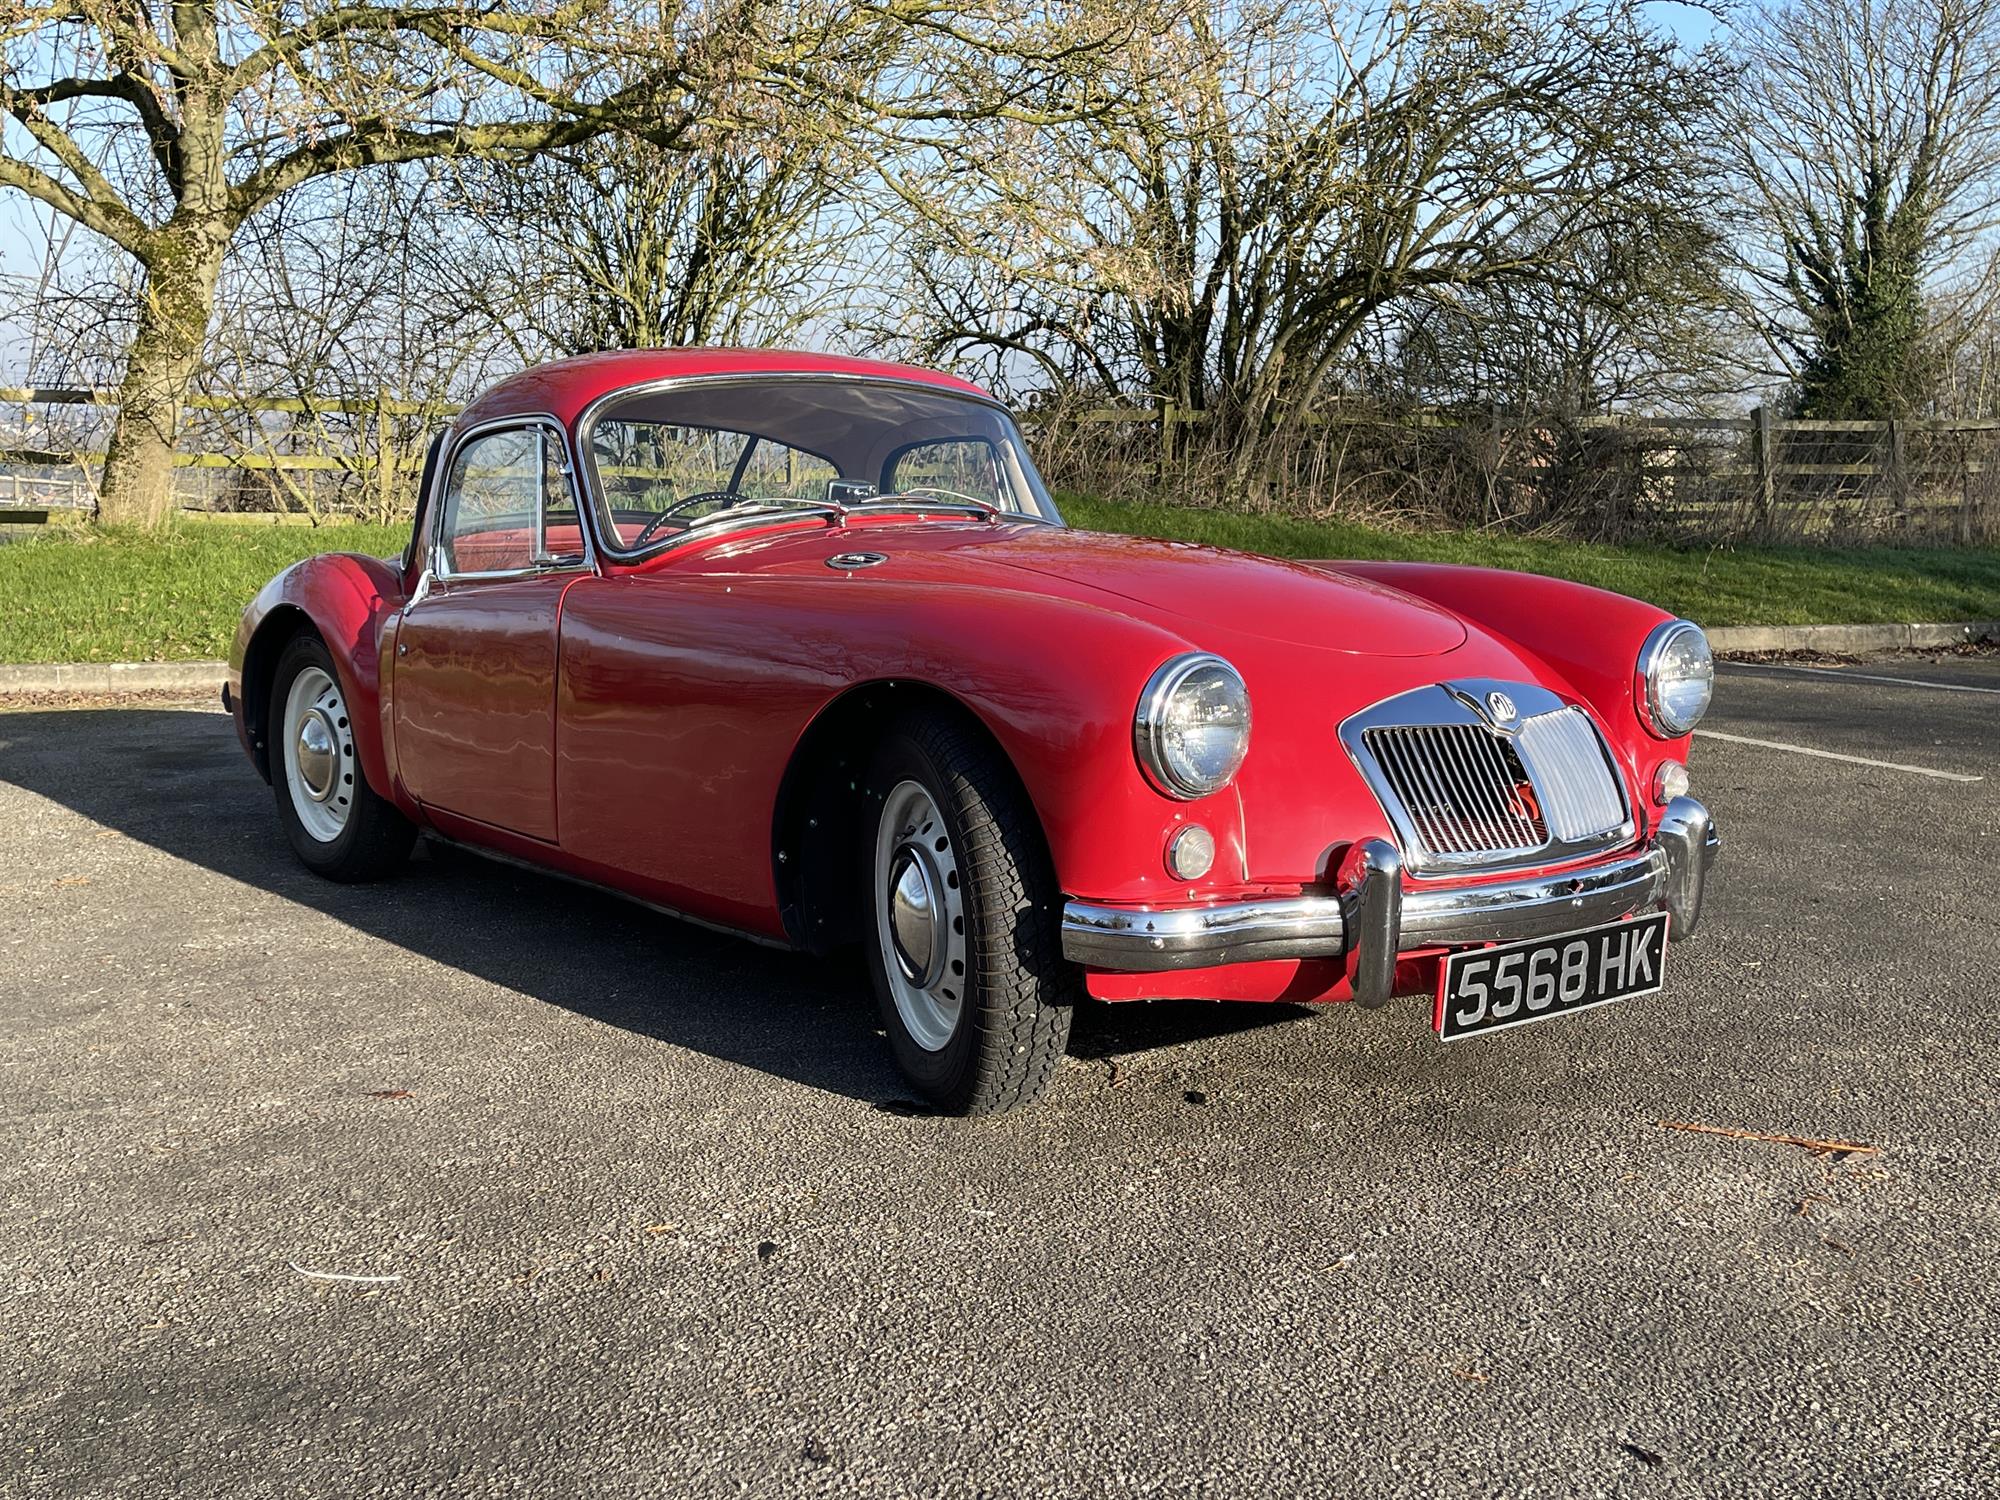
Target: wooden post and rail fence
x=378, y=450
x=371, y=447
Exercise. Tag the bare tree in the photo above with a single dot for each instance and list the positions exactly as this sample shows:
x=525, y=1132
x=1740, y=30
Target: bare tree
x=164, y=129
x=1273, y=179
x=1871, y=157
x=330, y=344
x=737, y=237
x=1638, y=316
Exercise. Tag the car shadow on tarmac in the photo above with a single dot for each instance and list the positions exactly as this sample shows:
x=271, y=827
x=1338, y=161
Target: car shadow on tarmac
x=175, y=779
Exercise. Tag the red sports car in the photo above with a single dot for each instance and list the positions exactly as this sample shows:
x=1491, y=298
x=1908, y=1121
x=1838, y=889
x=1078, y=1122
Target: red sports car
x=800, y=647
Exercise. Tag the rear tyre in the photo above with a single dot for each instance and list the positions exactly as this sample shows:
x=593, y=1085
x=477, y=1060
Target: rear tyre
x=336, y=823
x=965, y=943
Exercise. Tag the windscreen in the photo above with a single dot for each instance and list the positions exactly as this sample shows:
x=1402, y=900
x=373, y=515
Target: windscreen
x=669, y=462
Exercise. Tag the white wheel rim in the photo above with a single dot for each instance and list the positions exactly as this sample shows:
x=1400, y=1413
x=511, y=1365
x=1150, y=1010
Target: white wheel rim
x=316, y=743
x=920, y=915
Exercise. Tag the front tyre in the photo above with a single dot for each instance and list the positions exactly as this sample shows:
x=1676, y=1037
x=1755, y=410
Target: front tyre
x=337, y=825
x=965, y=941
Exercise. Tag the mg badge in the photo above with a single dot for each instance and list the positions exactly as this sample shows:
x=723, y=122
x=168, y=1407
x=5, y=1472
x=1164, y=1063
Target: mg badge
x=1501, y=707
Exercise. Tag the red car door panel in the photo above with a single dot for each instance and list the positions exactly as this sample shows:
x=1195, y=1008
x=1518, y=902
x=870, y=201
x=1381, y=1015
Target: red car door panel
x=474, y=686
x=676, y=727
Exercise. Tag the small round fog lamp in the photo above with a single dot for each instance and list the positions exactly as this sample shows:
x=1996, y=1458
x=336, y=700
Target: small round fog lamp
x=1670, y=781
x=1191, y=853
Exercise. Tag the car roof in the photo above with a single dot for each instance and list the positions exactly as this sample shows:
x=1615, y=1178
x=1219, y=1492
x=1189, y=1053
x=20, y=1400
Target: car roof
x=564, y=387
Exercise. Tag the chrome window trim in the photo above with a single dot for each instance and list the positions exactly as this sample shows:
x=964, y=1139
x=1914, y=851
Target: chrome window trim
x=1461, y=702
x=593, y=488
x=435, y=573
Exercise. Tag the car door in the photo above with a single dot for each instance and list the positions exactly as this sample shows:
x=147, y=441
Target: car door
x=477, y=648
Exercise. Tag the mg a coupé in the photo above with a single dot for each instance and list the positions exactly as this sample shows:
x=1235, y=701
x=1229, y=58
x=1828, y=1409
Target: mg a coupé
x=800, y=647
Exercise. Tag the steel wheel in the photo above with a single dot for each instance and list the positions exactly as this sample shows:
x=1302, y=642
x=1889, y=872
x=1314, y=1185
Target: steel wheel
x=967, y=960
x=317, y=745
x=920, y=915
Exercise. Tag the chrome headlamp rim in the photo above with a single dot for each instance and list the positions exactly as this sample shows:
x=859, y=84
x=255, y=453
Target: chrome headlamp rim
x=1652, y=710
x=1148, y=722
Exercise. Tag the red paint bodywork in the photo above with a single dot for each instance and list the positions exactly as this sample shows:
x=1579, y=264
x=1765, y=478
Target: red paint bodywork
x=633, y=725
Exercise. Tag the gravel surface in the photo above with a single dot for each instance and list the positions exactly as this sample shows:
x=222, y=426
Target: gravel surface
x=652, y=1213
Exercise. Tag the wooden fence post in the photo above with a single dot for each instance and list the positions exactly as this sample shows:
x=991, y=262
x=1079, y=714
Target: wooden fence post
x=385, y=448
x=1971, y=498
x=1766, y=461
x=1899, y=481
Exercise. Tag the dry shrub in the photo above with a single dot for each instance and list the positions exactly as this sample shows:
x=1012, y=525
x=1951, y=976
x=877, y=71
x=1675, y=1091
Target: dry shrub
x=1592, y=479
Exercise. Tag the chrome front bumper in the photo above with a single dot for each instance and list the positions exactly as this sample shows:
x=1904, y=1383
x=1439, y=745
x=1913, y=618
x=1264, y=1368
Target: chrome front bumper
x=1374, y=917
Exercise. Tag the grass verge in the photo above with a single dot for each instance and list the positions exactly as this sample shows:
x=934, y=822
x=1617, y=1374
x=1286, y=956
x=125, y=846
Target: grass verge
x=171, y=595
x=175, y=595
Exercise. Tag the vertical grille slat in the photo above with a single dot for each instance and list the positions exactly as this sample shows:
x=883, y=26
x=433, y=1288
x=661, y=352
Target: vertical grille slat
x=1473, y=795
x=1464, y=786
x=1571, y=769
x=1504, y=775
x=1436, y=816
x=1438, y=771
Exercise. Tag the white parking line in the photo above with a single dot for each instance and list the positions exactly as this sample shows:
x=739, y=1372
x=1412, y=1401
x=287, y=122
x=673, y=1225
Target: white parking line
x=1856, y=760
x=1770, y=666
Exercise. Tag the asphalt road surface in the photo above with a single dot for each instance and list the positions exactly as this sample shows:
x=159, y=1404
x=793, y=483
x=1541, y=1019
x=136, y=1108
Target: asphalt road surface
x=659, y=1220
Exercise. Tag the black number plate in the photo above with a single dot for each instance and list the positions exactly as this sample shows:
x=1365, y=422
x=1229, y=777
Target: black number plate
x=1486, y=989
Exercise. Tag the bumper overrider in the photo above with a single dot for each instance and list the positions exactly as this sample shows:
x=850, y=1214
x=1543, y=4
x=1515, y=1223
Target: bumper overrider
x=1372, y=917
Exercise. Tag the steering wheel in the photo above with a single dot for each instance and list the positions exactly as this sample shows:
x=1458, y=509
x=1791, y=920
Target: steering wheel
x=686, y=502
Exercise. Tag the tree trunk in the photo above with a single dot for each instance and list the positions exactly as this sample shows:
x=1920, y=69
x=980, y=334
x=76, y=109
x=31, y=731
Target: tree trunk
x=159, y=369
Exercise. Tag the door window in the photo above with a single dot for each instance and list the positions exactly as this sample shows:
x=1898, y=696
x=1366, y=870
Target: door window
x=508, y=506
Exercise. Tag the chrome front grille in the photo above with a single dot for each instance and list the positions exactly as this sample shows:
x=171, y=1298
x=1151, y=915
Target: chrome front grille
x=1580, y=797
x=1467, y=791
x=1463, y=786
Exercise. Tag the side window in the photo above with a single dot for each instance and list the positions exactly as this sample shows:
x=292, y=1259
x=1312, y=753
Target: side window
x=508, y=505
x=951, y=466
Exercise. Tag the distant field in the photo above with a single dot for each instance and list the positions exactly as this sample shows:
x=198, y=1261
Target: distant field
x=176, y=595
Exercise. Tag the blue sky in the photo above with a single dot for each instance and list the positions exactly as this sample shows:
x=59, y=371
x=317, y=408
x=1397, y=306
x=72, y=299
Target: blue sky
x=1693, y=24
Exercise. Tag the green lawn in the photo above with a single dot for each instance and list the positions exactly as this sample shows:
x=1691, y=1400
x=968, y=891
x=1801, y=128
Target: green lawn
x=117, y=596
x=170, y=596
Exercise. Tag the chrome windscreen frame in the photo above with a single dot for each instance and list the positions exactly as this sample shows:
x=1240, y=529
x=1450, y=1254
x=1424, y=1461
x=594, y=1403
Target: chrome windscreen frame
x=1466, y=702
x=592, y=484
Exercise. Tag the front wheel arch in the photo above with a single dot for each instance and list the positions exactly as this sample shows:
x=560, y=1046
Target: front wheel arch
x=817, y=815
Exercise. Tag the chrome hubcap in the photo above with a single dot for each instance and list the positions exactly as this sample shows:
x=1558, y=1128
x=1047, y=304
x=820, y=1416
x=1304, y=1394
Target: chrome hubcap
x=317, y=746
x=318, y=754
x=920, y=915
x=914, y=913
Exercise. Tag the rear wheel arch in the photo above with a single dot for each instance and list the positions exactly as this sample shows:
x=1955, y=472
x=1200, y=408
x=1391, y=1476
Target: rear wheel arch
x=818, y=820
x=284, y=624
x=260, y=666
x=336, y=823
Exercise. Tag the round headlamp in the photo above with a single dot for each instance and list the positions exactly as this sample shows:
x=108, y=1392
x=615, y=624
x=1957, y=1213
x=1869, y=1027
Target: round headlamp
x=1193, y=725
x=1676, y=678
